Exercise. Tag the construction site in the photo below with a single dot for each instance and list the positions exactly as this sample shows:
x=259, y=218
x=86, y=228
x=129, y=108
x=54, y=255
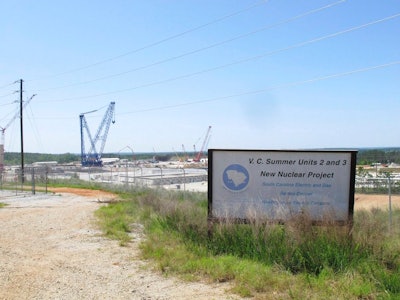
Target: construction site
x=180, y=171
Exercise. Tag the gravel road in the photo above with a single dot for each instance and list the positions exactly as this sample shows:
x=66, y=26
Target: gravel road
x=50, y=248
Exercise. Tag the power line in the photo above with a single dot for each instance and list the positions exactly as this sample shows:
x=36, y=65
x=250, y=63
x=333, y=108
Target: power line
x=260, y=91
x=11, y=113
x=3, y=96
x=310, y=12
x=9, y=94
x=264, y=90
x=245, y=60
x=33, y=126
x=156, y=43
x=7, y=85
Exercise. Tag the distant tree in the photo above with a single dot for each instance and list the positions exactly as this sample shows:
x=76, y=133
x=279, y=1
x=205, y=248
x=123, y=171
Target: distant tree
x=14, y=158
x=384, y=156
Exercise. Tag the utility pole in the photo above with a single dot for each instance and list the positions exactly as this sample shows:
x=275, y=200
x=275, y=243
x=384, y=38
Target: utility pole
x=22, y=129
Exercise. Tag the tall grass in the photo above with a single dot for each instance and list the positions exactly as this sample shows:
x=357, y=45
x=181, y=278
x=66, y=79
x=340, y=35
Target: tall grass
x=298, y=246
x=363, y=263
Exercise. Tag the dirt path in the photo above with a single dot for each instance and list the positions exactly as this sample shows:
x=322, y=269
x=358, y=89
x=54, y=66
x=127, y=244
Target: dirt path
x=362, y=201
x=50, y=249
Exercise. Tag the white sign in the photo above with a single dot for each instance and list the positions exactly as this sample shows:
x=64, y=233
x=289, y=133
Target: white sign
x=278, y=185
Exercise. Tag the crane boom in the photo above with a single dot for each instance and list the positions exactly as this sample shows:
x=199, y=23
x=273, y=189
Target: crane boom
x=93, y=157
x=3, y=129
x=198, y=156
x=16, y=115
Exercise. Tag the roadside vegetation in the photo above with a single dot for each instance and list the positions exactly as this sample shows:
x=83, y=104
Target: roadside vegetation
x=291, y=261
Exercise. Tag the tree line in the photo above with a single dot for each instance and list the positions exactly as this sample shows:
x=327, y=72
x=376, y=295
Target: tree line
x=364, y=157
x=382, y=156
x=14, y=158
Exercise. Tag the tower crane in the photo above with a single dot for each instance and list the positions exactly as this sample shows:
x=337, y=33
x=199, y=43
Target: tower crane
x=3, y=130
x=93, y=157
x=198, y=156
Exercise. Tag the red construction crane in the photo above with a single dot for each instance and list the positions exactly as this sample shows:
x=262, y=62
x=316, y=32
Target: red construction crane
x=198, y=156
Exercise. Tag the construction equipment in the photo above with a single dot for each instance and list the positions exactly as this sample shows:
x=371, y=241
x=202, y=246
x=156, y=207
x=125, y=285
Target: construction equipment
x=3, y=129
x=92, y=158
x=205, y=142
x=185, y=156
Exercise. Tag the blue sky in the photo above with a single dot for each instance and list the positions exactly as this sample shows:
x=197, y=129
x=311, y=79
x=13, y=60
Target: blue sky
x=275, y=74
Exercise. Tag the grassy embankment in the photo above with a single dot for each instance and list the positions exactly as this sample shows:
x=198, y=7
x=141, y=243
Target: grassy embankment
x=291, y=261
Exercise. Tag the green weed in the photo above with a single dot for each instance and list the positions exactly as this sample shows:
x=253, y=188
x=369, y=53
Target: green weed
x=266, y=261
x=116, y=219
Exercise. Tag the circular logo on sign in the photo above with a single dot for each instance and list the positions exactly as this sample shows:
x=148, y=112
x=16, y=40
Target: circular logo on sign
x=235, y=178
